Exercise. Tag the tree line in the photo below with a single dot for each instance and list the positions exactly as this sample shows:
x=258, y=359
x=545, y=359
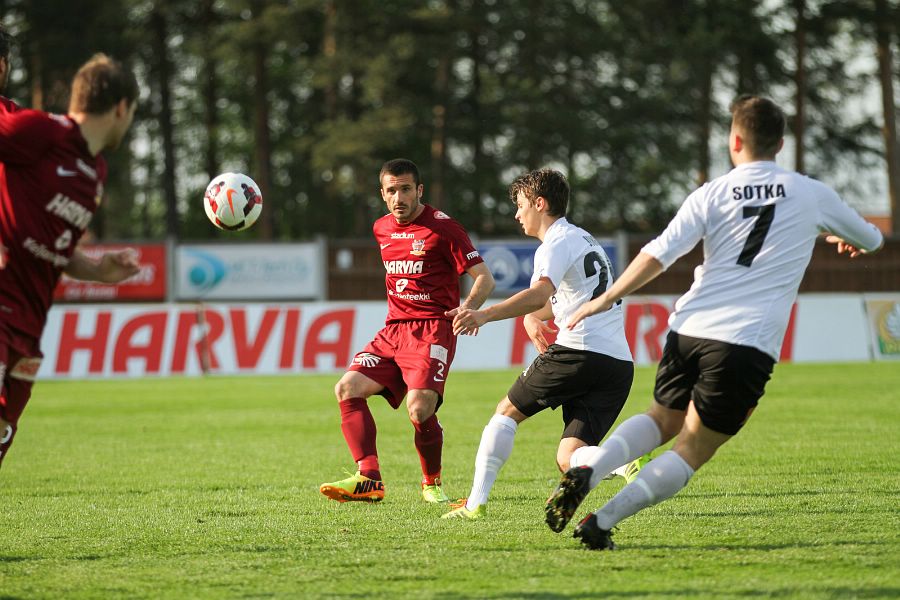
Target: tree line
x=309, y=97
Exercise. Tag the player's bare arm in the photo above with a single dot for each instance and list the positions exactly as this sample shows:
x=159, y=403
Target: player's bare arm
x=481, y=289
x=537, y=327
x=113, y=267
x=526, y=301
x=642, y=270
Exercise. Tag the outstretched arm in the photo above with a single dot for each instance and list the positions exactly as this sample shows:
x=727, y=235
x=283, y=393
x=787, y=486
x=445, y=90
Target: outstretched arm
x=526, y=301
x=844, y=246
x=642, y=270
x=113, y=267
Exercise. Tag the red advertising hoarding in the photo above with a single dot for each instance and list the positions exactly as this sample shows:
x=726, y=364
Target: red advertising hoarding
x=189, y=339
x=148, y=285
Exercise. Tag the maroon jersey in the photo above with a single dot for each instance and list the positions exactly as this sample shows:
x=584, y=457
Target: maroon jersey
x=50, y=187
x=423, y=260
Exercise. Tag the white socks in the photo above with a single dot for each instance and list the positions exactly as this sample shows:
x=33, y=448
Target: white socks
x=632, y=439
x=493, y=451
x=659, y=480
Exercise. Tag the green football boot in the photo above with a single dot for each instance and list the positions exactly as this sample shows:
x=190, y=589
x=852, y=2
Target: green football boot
x=634, y=467
x=356, y=488
x=461, y=512
x=433, y=493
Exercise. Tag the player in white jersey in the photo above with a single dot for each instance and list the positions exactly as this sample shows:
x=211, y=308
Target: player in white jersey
x=588, y=371
x=758, y=224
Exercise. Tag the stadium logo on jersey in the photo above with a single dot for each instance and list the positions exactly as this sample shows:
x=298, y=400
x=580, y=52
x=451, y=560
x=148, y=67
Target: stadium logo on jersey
x=403, y=235
x=404, y=267
x=439, y=214
x=418, y=248
x=472, y=255
x=69, y=211
x=401, y=285
x=366, y=359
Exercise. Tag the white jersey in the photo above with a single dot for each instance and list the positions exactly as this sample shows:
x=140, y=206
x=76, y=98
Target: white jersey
x=759, y=224
x=579, y=269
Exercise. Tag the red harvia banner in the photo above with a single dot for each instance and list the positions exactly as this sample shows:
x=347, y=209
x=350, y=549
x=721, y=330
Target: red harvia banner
x=149, y=284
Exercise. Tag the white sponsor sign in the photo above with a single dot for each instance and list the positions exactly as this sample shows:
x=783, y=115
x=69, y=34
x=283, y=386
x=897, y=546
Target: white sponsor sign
x=829, y=328
x=252, y=271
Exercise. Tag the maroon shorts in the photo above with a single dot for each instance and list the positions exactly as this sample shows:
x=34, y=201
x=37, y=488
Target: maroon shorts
x=409, y=355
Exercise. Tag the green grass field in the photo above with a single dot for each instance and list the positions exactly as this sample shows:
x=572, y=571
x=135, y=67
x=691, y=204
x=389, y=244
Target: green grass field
x=184, y=488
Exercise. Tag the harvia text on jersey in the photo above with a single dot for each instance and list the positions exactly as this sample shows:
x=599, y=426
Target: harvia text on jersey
x=404, y=266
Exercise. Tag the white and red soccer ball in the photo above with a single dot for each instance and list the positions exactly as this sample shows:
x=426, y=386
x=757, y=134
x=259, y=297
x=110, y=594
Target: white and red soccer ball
x=232, y=201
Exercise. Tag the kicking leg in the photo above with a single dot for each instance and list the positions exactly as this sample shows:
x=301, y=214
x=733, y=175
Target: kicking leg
x=358, y=427
x=661, y=478
x=590, y=464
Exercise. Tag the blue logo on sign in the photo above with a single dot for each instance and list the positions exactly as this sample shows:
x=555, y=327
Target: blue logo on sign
x=206, y=272
x=512, y=262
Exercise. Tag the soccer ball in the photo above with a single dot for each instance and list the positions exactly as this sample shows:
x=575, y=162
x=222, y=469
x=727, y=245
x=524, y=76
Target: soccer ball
x=232, y=201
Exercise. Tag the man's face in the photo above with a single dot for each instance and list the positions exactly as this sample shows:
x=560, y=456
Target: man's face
x=528, y=215
x=402, y=196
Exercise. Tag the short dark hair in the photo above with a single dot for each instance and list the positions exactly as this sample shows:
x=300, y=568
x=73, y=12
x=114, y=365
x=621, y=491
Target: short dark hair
x=5, y=43
x=761, y=123
x=550, y=184
x=100, y=84
x=397, y=167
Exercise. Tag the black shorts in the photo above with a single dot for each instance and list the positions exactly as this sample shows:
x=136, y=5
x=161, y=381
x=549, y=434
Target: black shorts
x=591, y=388
x=724, y=380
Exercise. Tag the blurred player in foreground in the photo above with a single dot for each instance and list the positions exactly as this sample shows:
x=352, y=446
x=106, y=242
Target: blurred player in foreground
x=588, y=371
x=51, y=183
x=424, y=253
x=758, y=224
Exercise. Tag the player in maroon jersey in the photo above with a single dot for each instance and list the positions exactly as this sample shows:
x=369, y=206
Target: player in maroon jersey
x=51, y=183
x=424, y=253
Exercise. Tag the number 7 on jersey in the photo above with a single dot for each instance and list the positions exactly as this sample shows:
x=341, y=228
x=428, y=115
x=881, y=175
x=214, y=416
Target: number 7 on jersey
x=758, y=234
